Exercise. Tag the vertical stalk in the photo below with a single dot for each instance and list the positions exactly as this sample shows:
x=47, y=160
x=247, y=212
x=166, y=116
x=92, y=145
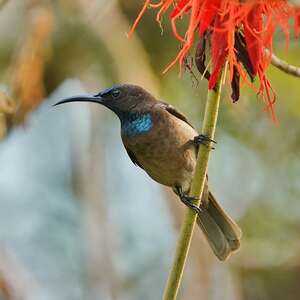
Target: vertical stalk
x=185, y=237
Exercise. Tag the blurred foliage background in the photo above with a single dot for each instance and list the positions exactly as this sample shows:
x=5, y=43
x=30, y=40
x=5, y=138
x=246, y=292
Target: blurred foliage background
x=77, y=219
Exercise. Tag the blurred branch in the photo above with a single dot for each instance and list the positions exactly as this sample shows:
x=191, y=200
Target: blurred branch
x=283, y=65
x=27, y=83
x=7, y=108
x=28, y=69
x=7, y=105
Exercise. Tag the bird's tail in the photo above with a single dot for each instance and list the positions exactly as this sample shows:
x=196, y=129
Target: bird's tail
x=222, y=233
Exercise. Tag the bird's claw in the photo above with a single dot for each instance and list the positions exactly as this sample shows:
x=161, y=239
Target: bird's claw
x=187, y=200
x=203, y=139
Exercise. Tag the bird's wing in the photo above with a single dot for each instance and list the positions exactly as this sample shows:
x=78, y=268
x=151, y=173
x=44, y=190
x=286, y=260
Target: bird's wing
x=133, y=158
x=172, y=110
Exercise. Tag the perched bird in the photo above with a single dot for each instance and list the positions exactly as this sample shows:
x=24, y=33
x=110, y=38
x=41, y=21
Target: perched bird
x=160, y=140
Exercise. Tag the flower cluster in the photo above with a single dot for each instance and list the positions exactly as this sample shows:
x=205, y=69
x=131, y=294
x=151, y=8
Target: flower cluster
x=237, y=31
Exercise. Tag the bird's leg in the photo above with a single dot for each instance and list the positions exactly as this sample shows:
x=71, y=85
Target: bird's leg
x=187, y=200
x=203, y=139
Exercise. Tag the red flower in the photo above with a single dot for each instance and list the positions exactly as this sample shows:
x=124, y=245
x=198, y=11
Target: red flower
x=237, y=31
x=297, y=21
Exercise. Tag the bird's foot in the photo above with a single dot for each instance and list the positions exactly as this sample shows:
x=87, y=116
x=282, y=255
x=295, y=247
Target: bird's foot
x=188, y=201
x=203, y=139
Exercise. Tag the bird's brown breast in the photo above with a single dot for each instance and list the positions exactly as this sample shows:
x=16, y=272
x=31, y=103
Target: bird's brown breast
x=166, y=152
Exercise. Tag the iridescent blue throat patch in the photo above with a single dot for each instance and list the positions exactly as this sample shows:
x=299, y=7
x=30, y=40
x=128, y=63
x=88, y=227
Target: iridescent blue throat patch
x=137, y=124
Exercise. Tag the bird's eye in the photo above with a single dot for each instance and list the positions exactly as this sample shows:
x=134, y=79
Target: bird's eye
x=115, y=93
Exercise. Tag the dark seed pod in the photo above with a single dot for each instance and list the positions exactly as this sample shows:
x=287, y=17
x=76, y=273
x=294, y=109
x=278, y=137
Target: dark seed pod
x=200, y=57
x=242, y=54
x=235, y=85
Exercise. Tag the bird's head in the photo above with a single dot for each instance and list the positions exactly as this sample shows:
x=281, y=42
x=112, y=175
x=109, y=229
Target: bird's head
x=121, y=99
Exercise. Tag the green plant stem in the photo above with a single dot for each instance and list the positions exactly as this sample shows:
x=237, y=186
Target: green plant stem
x=185, y=237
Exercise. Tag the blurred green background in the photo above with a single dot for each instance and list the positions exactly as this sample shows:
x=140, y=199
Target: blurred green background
x=77, y=219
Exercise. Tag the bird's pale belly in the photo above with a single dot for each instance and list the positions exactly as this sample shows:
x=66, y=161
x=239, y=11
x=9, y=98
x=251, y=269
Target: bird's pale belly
x=169, y=170
x=169, y=160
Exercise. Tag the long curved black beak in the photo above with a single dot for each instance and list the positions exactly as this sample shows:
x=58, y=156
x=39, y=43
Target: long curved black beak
x=82, y=98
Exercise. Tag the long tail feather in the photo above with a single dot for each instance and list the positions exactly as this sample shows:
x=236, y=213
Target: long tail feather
x=222, y=233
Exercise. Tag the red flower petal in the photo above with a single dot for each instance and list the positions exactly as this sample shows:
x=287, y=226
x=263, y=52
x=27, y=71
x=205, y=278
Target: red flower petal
x=253, y=36
x=219, y=51
x=209, y=11
x=179, y=7
x=297, y=22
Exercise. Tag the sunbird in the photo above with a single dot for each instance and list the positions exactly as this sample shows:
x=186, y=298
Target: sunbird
x=160, y=140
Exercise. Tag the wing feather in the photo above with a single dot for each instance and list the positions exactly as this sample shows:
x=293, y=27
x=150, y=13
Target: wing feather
x=172, y=110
